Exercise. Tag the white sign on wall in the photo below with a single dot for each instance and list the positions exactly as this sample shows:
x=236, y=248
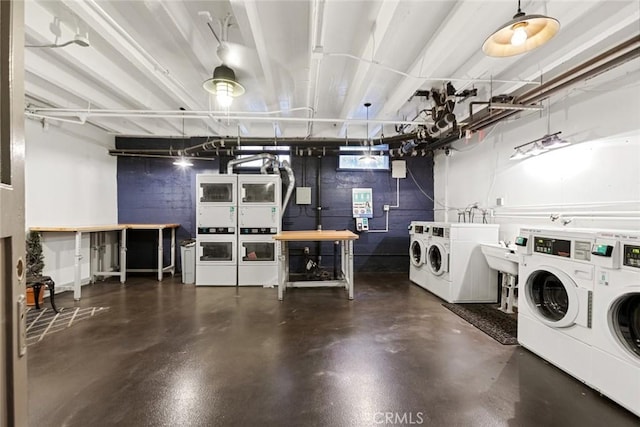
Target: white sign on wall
x=362, y=202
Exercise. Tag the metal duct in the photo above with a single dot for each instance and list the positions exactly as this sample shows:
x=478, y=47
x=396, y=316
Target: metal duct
x=290, y=186
x=234, y=162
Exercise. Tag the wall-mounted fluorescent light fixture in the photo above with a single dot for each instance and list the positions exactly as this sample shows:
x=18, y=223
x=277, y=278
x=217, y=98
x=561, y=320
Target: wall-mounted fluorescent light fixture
x=539, y=146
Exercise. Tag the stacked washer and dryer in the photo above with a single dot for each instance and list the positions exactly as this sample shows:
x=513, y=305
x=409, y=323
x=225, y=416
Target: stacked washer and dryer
x=451, y=264
x=237, y=216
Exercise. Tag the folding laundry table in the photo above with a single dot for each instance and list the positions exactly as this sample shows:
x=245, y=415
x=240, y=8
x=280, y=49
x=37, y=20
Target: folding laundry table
x=345, y=237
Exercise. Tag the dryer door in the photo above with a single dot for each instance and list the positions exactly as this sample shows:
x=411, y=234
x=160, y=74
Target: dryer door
x=553, y=297
x=624, y=320
x=437, y=259
x=417, y=252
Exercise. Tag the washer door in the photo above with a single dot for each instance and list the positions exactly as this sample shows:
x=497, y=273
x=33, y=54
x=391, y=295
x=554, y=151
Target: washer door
x=437, y=259
x=552, y=297
x=624, y=320
x=416, y=253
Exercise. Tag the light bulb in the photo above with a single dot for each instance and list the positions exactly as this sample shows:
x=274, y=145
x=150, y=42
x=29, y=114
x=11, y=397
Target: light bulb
x=182, y=162
x=224, y=93
x=519, y=34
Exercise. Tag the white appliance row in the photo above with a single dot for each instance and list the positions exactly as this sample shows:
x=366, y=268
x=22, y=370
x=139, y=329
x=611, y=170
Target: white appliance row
x=447, y=261
x=236, y=218
x=580, y=306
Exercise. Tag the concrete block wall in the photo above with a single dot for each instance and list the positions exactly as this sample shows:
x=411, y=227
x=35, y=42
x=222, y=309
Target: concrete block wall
x=384, y=251
x=154, y=190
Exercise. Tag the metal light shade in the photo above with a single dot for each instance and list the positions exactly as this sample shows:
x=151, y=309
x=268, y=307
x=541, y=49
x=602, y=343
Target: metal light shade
x=224, y=83
x=522, y=34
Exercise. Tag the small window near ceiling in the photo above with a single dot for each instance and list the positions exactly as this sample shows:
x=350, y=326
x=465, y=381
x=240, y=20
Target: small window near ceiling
x=375, y=157
x=282, y=153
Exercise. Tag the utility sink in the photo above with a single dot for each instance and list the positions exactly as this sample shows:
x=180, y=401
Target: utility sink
x=501, y=258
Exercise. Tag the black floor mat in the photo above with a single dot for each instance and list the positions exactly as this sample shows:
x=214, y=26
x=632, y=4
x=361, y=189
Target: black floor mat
x=500, y=326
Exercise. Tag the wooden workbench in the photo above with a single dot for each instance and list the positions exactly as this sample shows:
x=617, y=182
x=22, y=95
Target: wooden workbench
x=345, y=237
x=122, y=228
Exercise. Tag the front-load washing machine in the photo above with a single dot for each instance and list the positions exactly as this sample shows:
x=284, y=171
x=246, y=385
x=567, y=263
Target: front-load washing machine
x=556, y=280
x=419, y=235
x=616, y=318
x=456, y=268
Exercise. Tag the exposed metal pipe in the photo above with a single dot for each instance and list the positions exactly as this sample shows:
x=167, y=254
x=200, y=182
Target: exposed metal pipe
x=234, y=162
x=571, y=77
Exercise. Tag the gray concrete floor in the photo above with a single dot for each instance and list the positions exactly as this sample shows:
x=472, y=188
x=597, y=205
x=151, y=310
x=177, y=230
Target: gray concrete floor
x=167, y=354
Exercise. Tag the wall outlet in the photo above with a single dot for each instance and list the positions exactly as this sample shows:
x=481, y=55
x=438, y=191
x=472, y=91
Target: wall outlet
x=385, y=207
x=500, y=201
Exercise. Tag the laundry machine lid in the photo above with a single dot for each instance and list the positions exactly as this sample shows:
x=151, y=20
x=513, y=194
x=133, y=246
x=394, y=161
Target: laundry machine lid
x=417, y=252
x=437, y=259
x=624, y=320
x=552, y=297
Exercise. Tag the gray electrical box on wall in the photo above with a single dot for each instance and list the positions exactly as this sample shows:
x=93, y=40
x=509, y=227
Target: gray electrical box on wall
x=398, y=169
x=303, y=195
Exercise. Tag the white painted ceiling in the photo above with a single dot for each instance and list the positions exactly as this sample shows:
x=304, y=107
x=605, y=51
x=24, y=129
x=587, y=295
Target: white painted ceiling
x=318, y=59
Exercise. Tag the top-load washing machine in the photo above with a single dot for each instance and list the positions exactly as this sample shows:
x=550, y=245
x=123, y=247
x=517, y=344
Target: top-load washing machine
x=616, y=317
x=456, y=269
x=418, y=242
x=556, y=281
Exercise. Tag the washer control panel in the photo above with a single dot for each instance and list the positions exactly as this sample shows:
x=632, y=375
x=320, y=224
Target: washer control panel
x=550, y=246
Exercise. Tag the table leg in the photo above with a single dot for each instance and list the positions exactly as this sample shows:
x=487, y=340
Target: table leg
x=281, y=270
x=160, y=254
x=77, y=266
x=123, y=255
x=350, y=268
x=36, y=294
x=173, y=252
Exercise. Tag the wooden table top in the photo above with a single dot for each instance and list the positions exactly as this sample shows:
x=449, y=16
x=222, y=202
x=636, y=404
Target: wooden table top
x=316, y=235
x=108, y=227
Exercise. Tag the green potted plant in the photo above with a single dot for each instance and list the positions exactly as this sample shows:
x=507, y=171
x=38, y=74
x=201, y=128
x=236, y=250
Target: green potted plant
x=35, y=263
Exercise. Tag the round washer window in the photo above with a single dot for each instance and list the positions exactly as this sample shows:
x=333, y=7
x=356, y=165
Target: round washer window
x=549, y=295
x=416, y=253
x=626, y=321
x=435, y=258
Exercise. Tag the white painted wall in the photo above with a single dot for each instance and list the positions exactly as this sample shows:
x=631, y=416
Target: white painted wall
x=70, y=181
x=593, y=183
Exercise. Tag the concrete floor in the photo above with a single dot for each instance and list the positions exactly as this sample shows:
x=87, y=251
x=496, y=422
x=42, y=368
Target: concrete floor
x=167, y=354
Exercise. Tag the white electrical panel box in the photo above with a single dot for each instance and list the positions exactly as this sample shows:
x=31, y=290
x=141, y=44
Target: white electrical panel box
x=303, y=195
x=398, y=169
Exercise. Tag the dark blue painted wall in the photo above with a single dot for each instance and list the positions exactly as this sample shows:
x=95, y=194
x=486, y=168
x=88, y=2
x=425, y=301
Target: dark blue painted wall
x=153, y=190
x=373, y=251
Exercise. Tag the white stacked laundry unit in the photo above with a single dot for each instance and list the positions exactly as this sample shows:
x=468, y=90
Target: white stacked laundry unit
x=217, y=227
x=259, y=219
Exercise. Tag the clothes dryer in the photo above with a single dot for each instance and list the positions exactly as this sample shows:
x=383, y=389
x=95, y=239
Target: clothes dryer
x=556, y=281
x=456, y=268
x=418, y=242
x=616, y=318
